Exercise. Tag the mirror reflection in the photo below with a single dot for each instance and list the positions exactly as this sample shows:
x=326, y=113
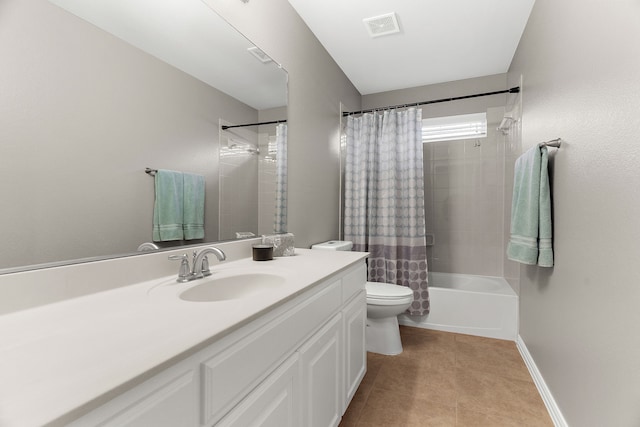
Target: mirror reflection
x=85, y=112
x=256, y=205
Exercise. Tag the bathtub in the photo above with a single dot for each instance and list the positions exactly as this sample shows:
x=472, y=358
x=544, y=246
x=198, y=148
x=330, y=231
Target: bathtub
x=474, y=305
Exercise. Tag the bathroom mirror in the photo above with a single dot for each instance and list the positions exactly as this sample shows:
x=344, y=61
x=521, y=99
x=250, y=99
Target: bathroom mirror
x=96, y=91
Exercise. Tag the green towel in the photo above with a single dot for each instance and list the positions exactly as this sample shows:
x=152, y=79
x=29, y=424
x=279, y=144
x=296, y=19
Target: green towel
x=168, y=207
x=193, y=206
x=531, y=230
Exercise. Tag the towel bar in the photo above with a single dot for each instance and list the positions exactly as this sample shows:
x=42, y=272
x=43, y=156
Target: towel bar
x=552, y=143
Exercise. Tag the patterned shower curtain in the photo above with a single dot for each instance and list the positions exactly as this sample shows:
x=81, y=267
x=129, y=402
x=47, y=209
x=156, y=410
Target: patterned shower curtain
x=384, y=198
x=280, y=221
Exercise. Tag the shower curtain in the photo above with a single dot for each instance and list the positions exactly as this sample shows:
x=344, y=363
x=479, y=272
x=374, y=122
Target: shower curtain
x=280, y=221
x=384, y=198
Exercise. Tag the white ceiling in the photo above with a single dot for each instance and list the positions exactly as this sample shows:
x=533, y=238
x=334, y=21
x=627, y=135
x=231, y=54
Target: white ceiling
x=439, y=40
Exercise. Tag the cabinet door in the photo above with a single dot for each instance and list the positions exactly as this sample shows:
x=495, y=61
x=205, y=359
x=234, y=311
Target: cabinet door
x=321, y=361
x=354, y=318
x=274, y=403
x=229, y=375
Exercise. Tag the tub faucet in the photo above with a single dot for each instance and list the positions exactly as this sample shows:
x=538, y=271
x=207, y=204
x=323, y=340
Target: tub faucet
x=200, y=266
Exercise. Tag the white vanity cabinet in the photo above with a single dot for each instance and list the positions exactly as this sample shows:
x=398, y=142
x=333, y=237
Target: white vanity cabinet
x=321, y=361
x=354, y=319
x=296, y=365
x=168, y=399
x=274, y=403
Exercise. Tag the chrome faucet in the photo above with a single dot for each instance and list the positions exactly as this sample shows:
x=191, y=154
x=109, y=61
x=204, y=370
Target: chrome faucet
x=200, y=266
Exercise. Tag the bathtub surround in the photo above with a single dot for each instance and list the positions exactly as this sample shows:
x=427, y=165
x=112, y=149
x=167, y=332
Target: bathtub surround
x=239, y=166
x=383, y=198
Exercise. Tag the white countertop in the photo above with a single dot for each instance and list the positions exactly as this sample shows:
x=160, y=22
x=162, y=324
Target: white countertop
x=63, y=357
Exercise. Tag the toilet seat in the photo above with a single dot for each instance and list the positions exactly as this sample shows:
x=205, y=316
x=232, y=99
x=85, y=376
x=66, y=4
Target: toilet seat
x=387, y=294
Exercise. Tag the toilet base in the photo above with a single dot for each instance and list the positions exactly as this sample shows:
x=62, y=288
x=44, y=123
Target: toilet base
x=383, y=336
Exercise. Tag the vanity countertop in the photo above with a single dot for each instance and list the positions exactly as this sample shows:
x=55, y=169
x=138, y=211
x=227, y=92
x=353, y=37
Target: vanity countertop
x=61, y=360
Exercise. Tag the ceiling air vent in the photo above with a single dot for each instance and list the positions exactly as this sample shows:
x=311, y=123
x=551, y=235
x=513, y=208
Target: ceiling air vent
x=382, y=25
x=263, y=57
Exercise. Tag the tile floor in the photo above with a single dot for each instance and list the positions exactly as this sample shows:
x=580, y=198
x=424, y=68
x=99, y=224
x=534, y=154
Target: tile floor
x=447, y=379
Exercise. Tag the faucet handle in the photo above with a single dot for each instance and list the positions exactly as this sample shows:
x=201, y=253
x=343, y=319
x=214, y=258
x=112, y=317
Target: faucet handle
x=184, y=274
x=205, y=267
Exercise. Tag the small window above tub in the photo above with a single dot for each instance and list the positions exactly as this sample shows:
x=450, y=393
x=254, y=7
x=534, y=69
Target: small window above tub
x=465, y=126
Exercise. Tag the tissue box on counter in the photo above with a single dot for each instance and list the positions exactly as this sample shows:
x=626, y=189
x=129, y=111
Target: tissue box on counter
x=283, y=244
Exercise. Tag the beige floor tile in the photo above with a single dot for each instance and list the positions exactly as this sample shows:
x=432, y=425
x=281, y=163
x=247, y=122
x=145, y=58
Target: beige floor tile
x=466, y=418
x=446, y=379
x=439, y=338
x=423, y=379
x=388, y=409
x=351, y=416
x=498, y=396
x=491, y=342
x=416, y=344
x=497, y=357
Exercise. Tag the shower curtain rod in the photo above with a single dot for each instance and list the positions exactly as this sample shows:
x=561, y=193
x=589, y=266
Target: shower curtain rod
x=225, y=127
x=435, y=101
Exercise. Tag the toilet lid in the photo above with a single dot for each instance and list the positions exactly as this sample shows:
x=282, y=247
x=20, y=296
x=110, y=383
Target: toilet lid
x=387, y=291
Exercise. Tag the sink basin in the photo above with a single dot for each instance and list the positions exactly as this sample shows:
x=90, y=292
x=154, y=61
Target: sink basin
x=232, y=287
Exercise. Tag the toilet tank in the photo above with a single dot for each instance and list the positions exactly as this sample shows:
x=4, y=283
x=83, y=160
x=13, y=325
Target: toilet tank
x=334, y=245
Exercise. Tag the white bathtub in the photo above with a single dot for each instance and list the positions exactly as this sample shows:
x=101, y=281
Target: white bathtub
x=475, y=305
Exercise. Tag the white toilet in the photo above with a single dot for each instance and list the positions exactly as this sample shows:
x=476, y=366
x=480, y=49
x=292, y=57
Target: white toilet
x=385, y=302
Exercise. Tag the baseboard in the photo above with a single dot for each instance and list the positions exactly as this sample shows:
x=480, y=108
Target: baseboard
x=545, y=393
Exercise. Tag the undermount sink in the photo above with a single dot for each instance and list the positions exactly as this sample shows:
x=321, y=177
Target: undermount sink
x=232, y=287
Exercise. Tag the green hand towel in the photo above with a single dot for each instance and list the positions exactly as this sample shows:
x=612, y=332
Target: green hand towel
x=193, y=206
x=168, y=206
x=531, y=229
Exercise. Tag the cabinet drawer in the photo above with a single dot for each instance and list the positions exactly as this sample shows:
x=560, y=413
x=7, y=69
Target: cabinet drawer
x=231, y=374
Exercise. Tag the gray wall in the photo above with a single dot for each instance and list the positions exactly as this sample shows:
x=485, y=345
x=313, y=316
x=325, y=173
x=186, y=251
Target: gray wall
x=581, y=66
x=316, y=88
x=445, y=90
x=81, y=115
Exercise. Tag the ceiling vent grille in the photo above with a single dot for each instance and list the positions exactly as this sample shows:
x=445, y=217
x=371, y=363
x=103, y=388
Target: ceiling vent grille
x=382, y=25
x=262, y=57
